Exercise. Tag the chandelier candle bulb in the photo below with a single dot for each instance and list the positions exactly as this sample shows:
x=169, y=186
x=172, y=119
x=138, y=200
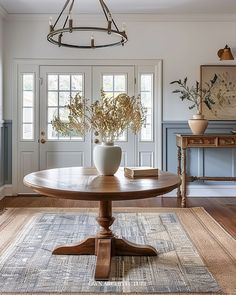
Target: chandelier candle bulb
x=59, y=40
x=109, y=24
x=92, y=41
x=109, y=27
x=50, y=24
x=70, y=23
x=123, y=28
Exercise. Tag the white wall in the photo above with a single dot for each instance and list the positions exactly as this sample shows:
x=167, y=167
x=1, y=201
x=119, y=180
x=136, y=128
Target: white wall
x=183, y=46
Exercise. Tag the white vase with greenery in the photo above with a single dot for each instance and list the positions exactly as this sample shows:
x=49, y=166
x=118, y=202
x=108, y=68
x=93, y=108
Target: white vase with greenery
x=197, y=96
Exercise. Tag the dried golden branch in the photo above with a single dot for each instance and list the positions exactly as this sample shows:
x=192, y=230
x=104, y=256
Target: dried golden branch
x=109, y=116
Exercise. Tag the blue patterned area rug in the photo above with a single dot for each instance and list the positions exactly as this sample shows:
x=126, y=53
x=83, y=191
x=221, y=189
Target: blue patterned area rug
x=27, y=264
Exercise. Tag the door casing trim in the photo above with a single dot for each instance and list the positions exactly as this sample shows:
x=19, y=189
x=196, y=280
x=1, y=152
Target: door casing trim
x=157, y=63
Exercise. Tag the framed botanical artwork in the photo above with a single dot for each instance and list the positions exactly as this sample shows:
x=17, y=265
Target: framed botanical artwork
x=223, y=92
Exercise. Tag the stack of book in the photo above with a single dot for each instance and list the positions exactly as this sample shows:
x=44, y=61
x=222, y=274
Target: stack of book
x=133, y=172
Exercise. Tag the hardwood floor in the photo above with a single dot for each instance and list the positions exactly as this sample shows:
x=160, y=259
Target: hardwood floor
x=222, y=209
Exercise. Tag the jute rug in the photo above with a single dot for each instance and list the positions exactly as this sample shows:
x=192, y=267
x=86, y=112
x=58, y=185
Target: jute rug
x=196, y=256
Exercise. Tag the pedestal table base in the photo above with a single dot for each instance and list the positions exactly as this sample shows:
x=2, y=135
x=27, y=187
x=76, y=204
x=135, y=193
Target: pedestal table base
x=105, y=244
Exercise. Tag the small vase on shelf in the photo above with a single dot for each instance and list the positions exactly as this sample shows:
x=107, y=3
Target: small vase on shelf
x=106, y=158
x=198, y=124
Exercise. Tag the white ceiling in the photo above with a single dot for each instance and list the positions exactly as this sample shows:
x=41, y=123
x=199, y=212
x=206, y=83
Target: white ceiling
x=123, y=6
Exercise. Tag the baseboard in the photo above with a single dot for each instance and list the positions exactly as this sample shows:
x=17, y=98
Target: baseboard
x=1, y=192
x=6, y=190
x=208, y=191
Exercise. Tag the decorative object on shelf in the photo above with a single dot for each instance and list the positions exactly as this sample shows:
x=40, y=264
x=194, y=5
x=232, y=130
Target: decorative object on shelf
x=59, y=35
x=109, y=117
x=133, y=172
x=224, y=91
x=225, y=53
x=197, y=96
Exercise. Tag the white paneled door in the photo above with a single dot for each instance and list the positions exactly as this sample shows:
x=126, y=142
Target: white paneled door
x=44, y=92
x=57, y=85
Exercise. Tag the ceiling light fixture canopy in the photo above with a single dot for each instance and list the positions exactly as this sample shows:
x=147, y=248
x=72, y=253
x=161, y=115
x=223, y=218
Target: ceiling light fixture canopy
x=56, y=34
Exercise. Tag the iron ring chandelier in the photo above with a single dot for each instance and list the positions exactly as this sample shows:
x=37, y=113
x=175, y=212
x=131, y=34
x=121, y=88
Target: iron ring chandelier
x=55, y=35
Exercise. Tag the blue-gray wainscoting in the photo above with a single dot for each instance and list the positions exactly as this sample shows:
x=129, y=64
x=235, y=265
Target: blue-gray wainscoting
x=1, y=155
x=208, y=162
x=6, y=153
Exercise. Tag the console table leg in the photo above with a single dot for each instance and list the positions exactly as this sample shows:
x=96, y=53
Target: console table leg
x=184, y=178
x=179, y=172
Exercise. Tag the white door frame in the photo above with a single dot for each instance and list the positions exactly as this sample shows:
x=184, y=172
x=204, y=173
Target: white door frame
x=157, y=63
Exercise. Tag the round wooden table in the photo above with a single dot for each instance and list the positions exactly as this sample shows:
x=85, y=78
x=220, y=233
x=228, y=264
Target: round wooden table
x=86, y=184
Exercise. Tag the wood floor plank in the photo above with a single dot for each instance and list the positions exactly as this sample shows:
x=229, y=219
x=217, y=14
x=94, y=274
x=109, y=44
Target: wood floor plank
x=223, y=209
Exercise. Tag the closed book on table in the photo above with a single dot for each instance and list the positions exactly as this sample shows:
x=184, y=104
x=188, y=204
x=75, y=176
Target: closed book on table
x=133, y=172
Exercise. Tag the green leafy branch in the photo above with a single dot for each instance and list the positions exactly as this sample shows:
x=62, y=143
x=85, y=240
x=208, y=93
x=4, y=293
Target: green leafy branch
x=195, y=94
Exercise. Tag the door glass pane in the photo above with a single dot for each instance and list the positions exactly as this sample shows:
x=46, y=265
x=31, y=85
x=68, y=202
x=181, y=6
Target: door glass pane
x=113, y=85
x=60, y=88
x=76, y=83
x=146, y=82
x=146, y=92
x=28, y=98
x=27, y=103
x=28, y=82
x=110, y=94
x=52, y=112
x=63, y=114
x=64, y=98
x=52, y=98
x=107, y=83
x=73, y=93
x=52, y=82
x=120, y=83
x=28, y=131
x=52, y=134
x=27, y=115
x=64, y=82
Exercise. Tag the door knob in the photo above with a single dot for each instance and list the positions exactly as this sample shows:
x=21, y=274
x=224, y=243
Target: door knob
x=42, y=140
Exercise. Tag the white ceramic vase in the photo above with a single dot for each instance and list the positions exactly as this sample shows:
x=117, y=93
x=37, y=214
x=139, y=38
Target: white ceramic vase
x=198, y=124
x=106, y=158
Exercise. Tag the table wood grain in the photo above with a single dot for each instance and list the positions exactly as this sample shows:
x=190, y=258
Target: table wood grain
x=79, y=183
